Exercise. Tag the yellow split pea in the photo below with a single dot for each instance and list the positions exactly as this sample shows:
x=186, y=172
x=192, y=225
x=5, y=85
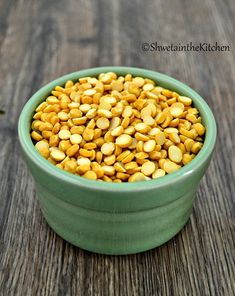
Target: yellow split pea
x=117, y=128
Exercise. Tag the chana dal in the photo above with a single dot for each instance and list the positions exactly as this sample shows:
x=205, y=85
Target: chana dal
x=117, y=128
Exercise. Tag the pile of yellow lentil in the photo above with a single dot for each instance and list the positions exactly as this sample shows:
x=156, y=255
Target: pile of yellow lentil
x=117, y=128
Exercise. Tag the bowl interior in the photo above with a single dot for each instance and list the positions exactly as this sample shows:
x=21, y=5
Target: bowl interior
x=161, y=80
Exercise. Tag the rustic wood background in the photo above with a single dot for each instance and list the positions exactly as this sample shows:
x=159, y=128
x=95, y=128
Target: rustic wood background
x=41, y=40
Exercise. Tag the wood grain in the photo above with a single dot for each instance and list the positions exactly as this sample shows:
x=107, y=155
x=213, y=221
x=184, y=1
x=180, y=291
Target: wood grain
x=41, y=40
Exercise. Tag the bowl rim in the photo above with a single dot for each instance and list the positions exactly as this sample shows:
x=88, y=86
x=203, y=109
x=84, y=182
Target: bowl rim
x=28, y=147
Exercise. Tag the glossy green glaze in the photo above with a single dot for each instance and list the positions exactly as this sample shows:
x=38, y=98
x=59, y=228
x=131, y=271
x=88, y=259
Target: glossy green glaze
x=114, y=218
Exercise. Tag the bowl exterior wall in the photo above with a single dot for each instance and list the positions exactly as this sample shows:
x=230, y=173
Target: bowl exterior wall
x=115, y=222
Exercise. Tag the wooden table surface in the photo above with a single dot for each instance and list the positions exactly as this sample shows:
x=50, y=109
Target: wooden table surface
x=41, y=40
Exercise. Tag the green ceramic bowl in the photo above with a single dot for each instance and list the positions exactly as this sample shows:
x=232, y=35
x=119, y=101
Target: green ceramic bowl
x=112, y=218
